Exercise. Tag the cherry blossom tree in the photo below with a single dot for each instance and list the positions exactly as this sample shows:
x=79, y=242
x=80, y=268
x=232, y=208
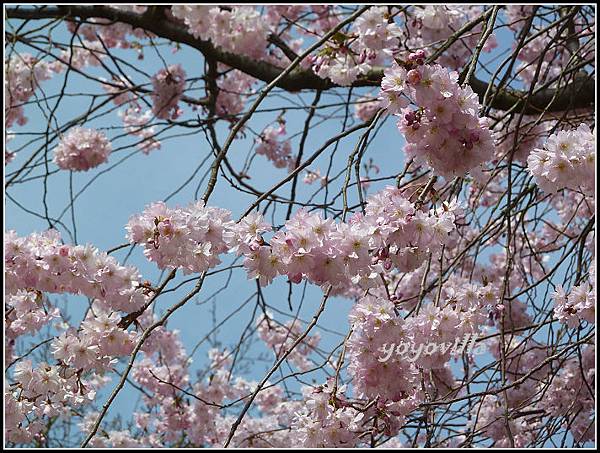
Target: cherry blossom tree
x=388, y=226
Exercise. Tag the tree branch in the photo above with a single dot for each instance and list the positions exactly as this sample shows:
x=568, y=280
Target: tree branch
x=578, y=94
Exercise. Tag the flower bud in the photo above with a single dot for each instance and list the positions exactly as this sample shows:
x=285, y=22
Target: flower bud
x=413, y=77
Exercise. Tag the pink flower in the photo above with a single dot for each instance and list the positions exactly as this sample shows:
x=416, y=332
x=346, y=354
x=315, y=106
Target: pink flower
x=168, y=85
x=445, y=131
x=81, y=149
x=567, y=160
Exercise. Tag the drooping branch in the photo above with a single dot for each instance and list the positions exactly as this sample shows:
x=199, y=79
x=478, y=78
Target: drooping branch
x=578, y=94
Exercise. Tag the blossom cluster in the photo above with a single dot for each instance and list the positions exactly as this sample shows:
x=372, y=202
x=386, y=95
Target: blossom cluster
x=81, y=149
x=191, y=238
x=40, y=392
x=26, y=312
x=376, y=326
x=392, y=232
x=579, y=304
x=109, y=33
x=168, y=85
x=8, y=156
x=369, y=43
x=23, y=73
x=42, y=262
x=374, y=38
x=245, y=30
x=432, y=25
x=568, y=159
x=445, y=130
x=275, y=13
x=270, y=146
x=164, y=364
x=325, y=421
x=240, y=29
x=234, y=88
x=39, y=264
x=375, y=323
x=94, y=347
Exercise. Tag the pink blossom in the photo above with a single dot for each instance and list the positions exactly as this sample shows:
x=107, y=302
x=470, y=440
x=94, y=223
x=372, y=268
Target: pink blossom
x=168, y=85
x=81, y=149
